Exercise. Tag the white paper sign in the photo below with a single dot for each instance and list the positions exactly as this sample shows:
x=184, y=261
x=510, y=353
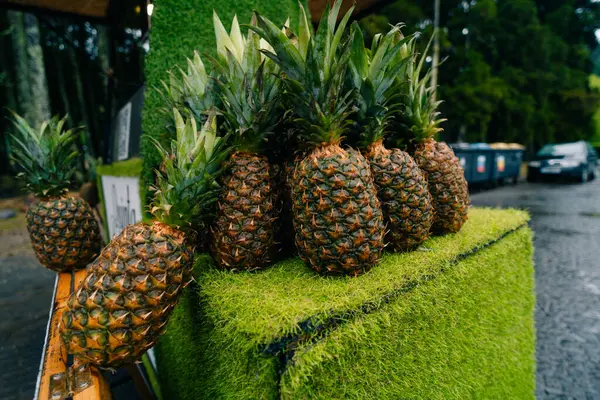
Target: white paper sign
x=122, y=202
x=123, y=131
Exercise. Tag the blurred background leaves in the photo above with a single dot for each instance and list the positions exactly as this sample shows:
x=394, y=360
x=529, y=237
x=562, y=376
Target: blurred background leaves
x=517, y=70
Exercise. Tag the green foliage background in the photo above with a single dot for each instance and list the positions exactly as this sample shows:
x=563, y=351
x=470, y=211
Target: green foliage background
x=178, y=28
x=452, y=322
x=595, y=84
x=517, y=70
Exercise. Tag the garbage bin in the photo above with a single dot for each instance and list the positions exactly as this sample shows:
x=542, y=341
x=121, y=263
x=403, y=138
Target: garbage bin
x=508, y=159
x=508, y=165
x=477, y=160
x=482, y=167
x=466, y=159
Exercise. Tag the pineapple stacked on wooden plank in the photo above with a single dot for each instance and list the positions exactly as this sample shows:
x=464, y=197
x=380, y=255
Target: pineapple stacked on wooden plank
x=401, y=186
x=445, y=176
x=63, y=230
x=127, y=296
x=243, y=233
x=337, y=216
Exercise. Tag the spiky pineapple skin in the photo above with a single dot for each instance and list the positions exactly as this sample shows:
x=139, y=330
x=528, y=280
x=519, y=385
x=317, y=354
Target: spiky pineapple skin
x=127, y=296
x=337, y=216
x=243, y=233
x=447, y=185
x=64, y=233
x=404, y=196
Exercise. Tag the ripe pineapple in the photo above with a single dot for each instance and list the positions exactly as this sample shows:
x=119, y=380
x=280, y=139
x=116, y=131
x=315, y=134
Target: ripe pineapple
x=401, y=186
x=63, y=230
x=337, y=217
x=243, y=233
x=445, y=176
x=124, y=302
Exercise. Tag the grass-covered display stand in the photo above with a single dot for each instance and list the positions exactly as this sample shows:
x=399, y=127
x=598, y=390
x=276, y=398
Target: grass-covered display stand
x=452, y=320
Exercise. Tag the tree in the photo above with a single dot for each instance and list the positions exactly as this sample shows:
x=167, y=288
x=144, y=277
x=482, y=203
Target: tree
x=56, y=65
x=517, y=70
x=29, y=72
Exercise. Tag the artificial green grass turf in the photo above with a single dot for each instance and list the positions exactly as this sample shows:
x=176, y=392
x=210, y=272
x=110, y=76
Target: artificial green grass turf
x=467, y=334
x=178, y=28
x=216, y=340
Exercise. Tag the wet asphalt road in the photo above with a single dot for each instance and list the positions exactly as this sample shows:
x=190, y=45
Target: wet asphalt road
x=25, y=295
x=566, y=222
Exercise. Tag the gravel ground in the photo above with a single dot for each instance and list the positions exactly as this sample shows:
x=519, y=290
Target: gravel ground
x=566, y=222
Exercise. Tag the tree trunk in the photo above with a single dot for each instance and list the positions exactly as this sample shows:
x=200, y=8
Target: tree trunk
x=7, y=89
x=28, y=69
x=40, y=103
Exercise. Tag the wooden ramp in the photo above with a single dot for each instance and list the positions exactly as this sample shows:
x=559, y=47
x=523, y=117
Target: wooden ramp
x=58, y=378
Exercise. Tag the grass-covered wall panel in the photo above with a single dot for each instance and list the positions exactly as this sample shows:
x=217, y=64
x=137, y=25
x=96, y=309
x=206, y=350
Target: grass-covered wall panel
x=466, y=334
x=196, y=360
x=238, y=338
x=178, y=27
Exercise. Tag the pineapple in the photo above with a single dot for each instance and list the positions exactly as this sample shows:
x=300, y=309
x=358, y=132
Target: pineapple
x=337, y=217
x=445, y=176
x=400, y=184
x=124, y=302
x=194, y=90
x=63, y=230
x=243, y=233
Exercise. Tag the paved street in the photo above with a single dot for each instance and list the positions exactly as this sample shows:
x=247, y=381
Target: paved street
x=566, y=221
x=25, y=295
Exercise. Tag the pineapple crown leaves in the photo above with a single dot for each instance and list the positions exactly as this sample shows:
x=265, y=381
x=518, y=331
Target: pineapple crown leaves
x=313, y=67
x=186, y=186
x=193, y=89
x=248, y=84
x=419, y=112
x=373, y=74
x=234, y=42
x=46, y=155
x=247, y=54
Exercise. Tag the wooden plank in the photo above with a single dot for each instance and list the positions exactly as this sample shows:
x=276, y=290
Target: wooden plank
x=317, y=7
x=54, y=360
x=99, y=390
x=86, y=8
x=38, y=384
x=79, y=277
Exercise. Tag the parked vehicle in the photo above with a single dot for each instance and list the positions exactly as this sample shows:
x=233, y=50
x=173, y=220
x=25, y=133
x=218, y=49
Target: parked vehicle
x=573, y=160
